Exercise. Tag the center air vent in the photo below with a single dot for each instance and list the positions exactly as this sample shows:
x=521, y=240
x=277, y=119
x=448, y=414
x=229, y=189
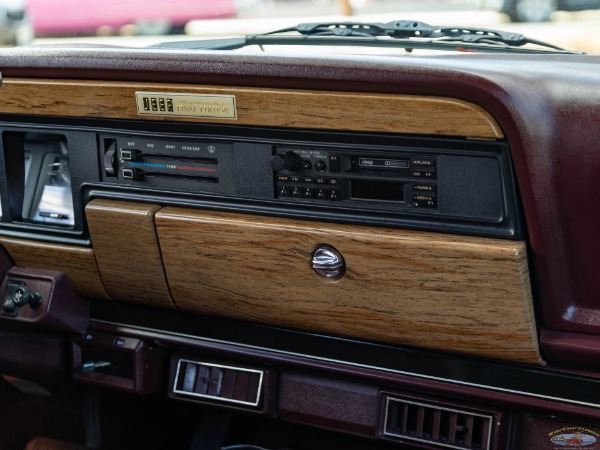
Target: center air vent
x=217, y=382
x=441, y=426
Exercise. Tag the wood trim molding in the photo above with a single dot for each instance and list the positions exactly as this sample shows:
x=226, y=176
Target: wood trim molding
x=126, y=246
x=455, y=294
x=341, y=111
x=78, y=263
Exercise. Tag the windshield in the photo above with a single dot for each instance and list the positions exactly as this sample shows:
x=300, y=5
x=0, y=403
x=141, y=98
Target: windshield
x=570, y=24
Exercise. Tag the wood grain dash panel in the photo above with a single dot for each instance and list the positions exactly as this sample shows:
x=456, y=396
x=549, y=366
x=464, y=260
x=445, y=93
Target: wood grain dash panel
x=324, y=110
x=126, y=246
x=441, y=292
x=78, y=263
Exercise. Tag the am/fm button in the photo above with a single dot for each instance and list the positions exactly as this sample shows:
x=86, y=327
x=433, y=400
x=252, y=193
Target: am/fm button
x=422, y=174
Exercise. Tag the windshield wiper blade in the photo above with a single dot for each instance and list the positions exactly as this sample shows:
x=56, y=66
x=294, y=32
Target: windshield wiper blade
x=400, y=34
x=414, y=29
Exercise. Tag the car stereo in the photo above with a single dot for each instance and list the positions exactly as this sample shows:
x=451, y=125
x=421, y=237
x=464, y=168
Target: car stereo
x=394, y=179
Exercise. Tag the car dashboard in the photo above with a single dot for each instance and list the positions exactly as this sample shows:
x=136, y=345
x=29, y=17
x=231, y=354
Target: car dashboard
x=223, y=249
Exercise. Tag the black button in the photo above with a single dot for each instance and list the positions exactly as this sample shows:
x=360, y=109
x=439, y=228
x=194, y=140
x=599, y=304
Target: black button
x=309, y=180
x=126, y=154
x=334, y=181
x=284, y=191
x=424, y=201
x=20, y=295
x=335, y=194
x=321, y=194
x=283, y=178
x=9, y=307
x=305, y=165
x=295, y=179
x=128, y=173
x=296, y=192
x=283, y=161
x=334, y=163
x=321, y=180
x=424, y=162
x=424, y=187
x=35, y=300
x=320, y=166
x=422, y=174
x=309, y=193
x=423, y=197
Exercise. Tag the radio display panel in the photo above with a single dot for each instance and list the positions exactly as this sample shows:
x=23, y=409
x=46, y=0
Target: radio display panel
x=377, y=190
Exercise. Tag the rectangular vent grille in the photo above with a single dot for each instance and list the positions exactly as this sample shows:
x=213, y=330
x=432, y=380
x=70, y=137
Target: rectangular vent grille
x=218, y=382
x=444, y=427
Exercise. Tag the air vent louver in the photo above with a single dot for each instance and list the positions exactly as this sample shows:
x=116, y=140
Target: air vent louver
x=437, y=425
x=218, y=382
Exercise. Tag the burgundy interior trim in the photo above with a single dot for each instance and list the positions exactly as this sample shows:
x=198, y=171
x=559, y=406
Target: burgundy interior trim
x=329, y=403
x=568, y=349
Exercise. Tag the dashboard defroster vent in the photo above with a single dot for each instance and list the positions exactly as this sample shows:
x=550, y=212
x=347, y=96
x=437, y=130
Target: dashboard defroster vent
x=443, y=427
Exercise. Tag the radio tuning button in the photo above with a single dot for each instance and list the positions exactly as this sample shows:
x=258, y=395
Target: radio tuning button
x=305, y=165
x=320, y=166
x=283, y=161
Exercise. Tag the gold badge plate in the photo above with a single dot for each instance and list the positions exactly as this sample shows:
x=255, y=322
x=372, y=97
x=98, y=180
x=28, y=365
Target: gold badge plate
x=191, y=105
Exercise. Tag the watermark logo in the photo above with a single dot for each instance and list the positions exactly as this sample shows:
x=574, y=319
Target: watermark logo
x=575, y=437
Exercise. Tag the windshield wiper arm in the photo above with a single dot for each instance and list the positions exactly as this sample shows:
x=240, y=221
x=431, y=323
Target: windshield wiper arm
x=399, y=33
